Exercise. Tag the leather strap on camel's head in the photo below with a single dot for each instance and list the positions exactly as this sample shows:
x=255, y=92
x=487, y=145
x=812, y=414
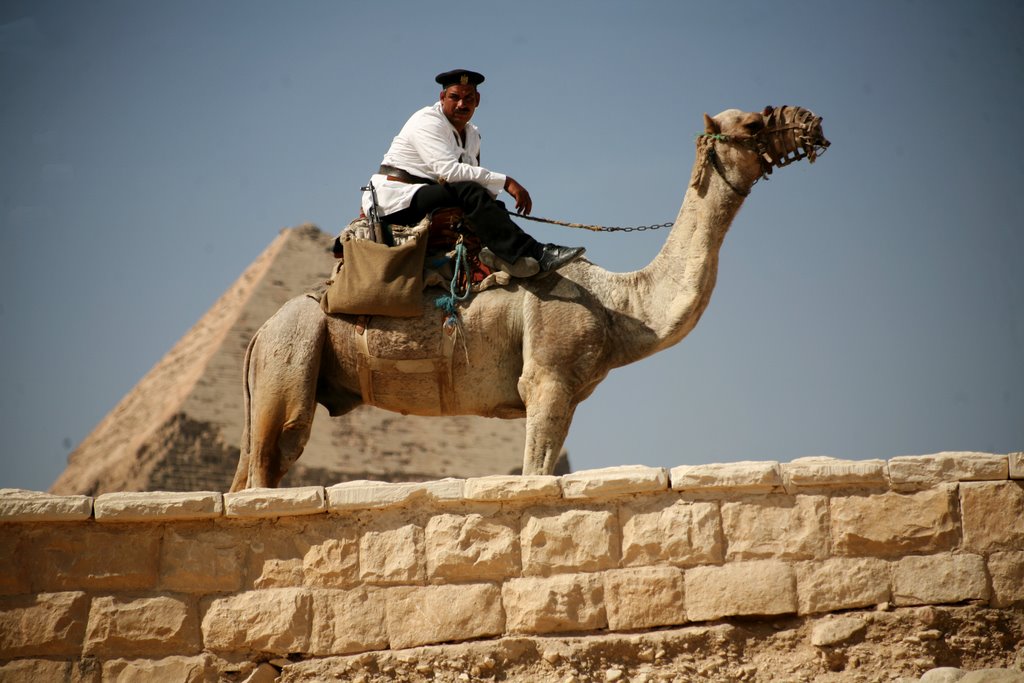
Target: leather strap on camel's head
x=789, y=134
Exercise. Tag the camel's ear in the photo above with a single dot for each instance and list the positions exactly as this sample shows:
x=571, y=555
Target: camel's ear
x=767, y=111
x=710, y=126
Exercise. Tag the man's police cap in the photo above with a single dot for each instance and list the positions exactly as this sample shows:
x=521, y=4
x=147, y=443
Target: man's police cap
x=459, y=77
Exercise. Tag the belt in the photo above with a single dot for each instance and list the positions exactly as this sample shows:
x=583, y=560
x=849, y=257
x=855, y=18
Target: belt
x=399, y=175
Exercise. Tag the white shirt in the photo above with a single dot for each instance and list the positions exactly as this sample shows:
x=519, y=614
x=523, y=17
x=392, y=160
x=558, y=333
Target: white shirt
x=428, y=146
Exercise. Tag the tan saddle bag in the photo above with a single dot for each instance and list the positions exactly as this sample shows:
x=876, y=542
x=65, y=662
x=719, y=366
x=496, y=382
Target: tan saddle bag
x=376, y=279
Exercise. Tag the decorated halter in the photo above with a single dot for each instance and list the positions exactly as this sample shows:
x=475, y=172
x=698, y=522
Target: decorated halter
x=790, y=134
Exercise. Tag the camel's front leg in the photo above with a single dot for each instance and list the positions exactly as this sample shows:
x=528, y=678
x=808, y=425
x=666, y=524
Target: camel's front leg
x=549, y=411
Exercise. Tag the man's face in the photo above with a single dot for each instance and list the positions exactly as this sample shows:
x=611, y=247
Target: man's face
x=458, y=102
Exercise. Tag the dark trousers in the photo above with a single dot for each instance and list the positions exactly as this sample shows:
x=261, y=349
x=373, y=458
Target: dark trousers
x=485, y=215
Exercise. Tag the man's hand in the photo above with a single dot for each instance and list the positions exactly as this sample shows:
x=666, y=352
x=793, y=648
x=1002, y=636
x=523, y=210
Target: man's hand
x=524, y=204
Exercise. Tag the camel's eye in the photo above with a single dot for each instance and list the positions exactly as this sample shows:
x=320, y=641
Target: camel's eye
x=753, y=127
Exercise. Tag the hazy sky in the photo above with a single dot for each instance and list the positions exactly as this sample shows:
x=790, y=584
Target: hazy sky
x=870, y=305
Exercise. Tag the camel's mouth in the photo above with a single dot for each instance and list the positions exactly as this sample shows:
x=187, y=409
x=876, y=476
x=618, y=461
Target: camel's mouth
x=790, y=134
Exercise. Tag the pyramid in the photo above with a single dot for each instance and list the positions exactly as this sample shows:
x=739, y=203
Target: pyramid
x=179, y=428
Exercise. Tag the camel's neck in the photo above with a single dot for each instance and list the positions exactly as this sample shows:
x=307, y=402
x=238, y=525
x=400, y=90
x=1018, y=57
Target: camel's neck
x=665, y=300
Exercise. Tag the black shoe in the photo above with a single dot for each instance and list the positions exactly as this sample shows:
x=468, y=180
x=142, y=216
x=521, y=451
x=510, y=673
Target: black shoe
x=553, y=257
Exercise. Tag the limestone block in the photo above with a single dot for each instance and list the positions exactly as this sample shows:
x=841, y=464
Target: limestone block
x=13, y=579
x=733, y=477
x=786, y=527
x=18, y=505
x=348, y=621
x=43, y=624
x=145, y=626
x=35, y=670
x=923, y=471
x=667, y=530
x=993, y=516
x=86, y=557
x=438, y=614
x=366, y=495
x=567, y=602
x=201, y=562
x=937, y=579
x=569, y=541
x=334, y=562
x=276, y=551
x=819, y=472
x=157, y=506
x=274, y=620
x=893, y=524
x=199, y=669
x=509, y=488
x=644, y=597
x=614, y=481
x=263, y=503
x=1016, y=465
x=392, y=556
x=841, y=583
x=761, y=587
x=1007, y=572
x=471, y=547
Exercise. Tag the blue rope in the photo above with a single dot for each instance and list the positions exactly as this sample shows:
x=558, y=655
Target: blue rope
x=449, y=302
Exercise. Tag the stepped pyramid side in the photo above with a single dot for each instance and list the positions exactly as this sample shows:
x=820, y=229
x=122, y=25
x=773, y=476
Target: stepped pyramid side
x=179, y=427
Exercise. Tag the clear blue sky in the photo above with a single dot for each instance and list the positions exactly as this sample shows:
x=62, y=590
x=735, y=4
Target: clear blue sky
x=870, y=305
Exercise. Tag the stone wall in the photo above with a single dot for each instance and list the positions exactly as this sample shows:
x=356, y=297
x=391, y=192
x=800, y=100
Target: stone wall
x=281, y=583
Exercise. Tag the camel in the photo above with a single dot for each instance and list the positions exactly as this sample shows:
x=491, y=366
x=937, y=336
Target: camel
x=536, y=348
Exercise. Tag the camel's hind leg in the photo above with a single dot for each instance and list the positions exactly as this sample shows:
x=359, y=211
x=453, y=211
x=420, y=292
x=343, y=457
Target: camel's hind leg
x=282, y=366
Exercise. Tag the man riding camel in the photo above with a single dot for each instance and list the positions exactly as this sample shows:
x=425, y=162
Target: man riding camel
x=434, y=163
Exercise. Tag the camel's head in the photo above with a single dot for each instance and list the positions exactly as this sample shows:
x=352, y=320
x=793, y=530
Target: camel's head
x=772, y=139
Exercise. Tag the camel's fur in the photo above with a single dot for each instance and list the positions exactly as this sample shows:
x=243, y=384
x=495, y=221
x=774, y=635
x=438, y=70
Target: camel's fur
x=535, y=349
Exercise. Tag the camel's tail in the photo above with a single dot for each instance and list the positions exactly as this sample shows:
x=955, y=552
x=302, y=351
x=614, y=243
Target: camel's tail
x=242, y=472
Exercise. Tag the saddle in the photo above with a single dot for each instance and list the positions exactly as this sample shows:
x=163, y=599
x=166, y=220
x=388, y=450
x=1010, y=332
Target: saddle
x=446, y=228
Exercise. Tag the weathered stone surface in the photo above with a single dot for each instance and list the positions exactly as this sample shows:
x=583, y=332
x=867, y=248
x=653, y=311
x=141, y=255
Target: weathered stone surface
x=841, y=583
x=825, y=472
x=43, y=624
x=334, y=562
x=1007, y=572
x=392, y=556
x=198, y=669
x=737, y=477
x=13, y=579
x=157, y=506
x=264, y=503
x=1016, y=465
x=993, y=516
x=740, y=588
x=437, y=614
x=201, y=561
x=508, y=488
x=782, y=526
x=348, y=621
x=276, y=551
x=937, y=579
x=569, y=541
x=567, y=602
x=35, y=670
x=614, y=481
x=86, y=557
x=667, y=530
x=274, y=620
x=644, y=597
x=366, y=495
x=892, y=524
x=18, y=505
x=471, y=547
x=836, y=630
x=923, y=471
x=993, y=676
x=147, y=626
